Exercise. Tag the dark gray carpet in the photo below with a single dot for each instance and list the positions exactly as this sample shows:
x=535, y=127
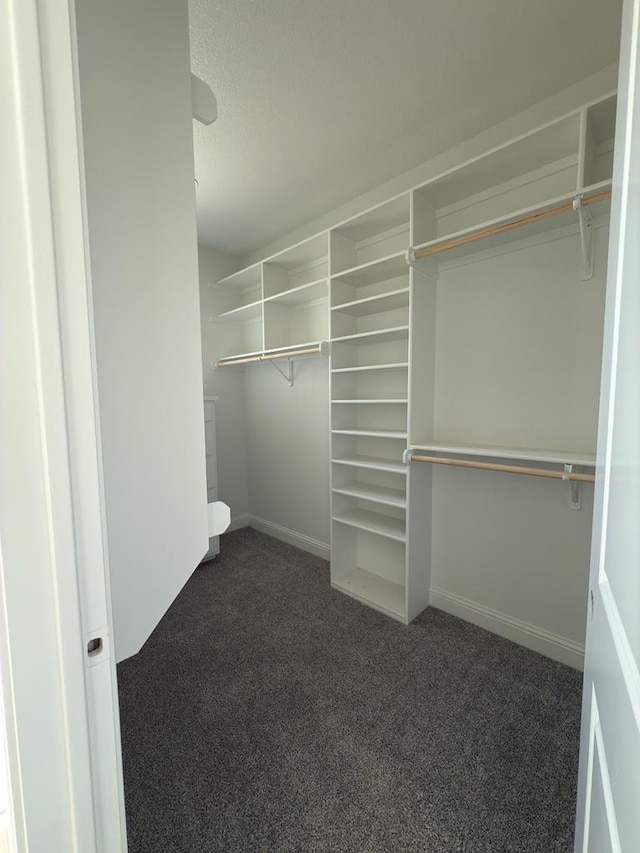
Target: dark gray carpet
x=269, y=713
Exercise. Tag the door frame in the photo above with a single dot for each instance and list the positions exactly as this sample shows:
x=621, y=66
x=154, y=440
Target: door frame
x=61, y=714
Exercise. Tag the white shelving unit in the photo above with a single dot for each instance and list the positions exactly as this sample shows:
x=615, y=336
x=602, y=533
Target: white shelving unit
x=465, y=322
x=278, y=304
x=370, y=303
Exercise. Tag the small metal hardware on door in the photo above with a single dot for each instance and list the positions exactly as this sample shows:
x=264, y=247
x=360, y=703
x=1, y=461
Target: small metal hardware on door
x=94, y=647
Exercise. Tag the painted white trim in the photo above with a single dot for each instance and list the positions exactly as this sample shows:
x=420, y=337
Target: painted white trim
x=305, y=543
x=525, y=634
x=238, y=521
x=66, y=776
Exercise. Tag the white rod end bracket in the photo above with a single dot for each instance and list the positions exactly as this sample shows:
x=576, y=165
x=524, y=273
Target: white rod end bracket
x=586, y=238
x=575, y=498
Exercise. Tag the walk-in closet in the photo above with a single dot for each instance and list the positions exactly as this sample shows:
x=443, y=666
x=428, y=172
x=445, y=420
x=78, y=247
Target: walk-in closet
x=462, y=325
x=352, y=497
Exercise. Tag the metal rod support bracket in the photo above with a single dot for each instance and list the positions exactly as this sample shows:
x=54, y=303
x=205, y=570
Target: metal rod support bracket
x=575, y=498
x=288, y=375
x=586, y=238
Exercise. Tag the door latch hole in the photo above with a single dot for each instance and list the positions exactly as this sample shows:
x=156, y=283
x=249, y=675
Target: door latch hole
x=94, y=647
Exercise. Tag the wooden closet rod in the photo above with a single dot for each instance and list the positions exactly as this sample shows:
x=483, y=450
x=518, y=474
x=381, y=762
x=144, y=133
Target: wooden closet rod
x=509, y=226
x=249, y=359
x=507, y=469
x=230, y=361
x=291, y=353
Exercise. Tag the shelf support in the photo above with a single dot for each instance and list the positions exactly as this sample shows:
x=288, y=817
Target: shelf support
x=575, y=498
x=288, y=375
x=586, y=238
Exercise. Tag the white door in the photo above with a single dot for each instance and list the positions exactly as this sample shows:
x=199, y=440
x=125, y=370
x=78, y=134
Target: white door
x=608, y=814
x=135, y=89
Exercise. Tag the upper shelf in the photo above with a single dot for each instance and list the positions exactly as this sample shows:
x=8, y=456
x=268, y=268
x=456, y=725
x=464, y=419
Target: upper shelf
x=246, y=279
x=525, y=454
x=529, y=222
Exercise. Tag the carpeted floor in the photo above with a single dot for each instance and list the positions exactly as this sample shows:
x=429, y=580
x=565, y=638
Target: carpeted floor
x=270, y=713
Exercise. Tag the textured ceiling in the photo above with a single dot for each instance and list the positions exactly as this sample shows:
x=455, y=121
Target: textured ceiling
x=321, y=100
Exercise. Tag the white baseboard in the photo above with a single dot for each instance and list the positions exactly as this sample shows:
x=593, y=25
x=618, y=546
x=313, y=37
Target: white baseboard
x=291, y=537
x=238, y=521
x=527, y=635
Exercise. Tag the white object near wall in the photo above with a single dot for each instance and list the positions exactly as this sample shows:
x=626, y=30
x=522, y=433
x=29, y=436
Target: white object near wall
x=203, y=102
x=218, y=513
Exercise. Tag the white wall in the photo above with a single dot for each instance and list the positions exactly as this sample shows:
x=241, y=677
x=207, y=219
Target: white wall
x=135, y=85
x=288, y=453
x=228, y=386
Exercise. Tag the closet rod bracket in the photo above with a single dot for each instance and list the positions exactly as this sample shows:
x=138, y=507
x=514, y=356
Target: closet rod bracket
x=586, y=238
x=288, y=375
x=575, y=498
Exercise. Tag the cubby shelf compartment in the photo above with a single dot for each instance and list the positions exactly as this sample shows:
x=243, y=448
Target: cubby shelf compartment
x=378, y=592
x=373, y=522
x=373, y=463
x=399, y=365
x=375, y=304
x=528, y=222
x=373, y=433
x=371, y=492
x=524, y=454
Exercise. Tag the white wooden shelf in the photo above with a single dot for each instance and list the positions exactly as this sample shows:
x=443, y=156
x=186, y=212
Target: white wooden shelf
x=304, y=293
x=397, y=333
x=525, y=454
x=371, y=492
x=373, y=463
x=398, y=402
x=380, y=269
x=398, y=365
x=373, y=522
x=250, y=311
x=373, y=433
x=244, y=279
x=382, y=594
x=375, y=304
